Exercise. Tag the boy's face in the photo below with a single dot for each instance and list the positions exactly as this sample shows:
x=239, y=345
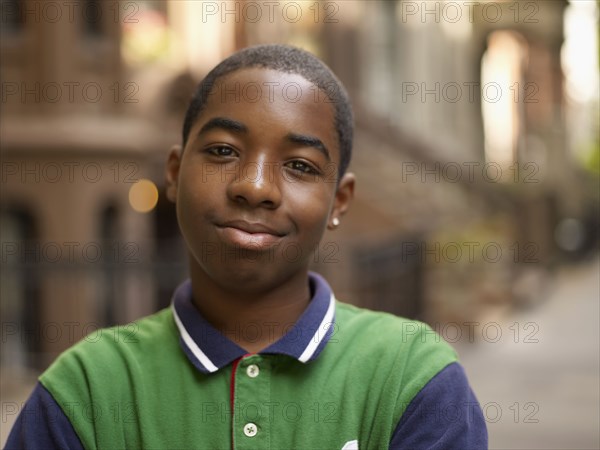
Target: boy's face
x=255, y=186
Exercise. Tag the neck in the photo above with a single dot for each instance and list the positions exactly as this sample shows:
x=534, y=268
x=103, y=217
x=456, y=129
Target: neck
x=253, y=320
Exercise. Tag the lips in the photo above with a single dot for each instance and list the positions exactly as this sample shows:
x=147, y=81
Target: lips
x=253, y=228
x=251, y=236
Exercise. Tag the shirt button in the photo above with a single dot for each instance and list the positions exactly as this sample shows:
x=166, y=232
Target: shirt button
x=250, y=429
x=252, y=370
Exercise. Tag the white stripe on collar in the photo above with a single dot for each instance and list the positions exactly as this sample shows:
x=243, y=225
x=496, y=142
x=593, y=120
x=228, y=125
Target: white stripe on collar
x=321, y=332
x=199, y=354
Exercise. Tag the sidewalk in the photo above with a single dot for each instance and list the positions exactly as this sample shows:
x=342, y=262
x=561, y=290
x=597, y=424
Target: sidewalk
x=539, y=385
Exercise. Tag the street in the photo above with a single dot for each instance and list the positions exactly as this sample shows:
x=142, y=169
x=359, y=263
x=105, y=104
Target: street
x=539, y=385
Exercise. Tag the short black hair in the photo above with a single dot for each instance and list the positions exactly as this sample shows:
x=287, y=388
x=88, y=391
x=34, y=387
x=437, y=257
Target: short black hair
x=287, y=59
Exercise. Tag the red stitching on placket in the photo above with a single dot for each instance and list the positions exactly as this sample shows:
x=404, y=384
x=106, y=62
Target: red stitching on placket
x=232, y=390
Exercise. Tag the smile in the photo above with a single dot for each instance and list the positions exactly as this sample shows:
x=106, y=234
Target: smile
x=251, y=236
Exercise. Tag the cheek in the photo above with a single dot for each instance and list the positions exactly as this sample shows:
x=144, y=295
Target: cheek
x=197, y=186
x=312, y=208
x=194, y=198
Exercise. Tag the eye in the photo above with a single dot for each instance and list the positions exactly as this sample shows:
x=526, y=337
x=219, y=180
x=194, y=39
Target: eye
x=301, y=166
x=221, y=150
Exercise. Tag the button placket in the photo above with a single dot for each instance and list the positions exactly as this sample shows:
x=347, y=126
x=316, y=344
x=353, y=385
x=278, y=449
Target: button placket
x=251, y=426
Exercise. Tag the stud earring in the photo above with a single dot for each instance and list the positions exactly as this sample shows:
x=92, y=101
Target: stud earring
x=335, y=221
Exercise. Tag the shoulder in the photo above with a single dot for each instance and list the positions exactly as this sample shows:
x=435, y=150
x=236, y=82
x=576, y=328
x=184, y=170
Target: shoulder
x=374, y=329
x=128, y=339
x=411, y=352
x=406, y=359
x=108, y=353
x=105, y=374
x=444, y=414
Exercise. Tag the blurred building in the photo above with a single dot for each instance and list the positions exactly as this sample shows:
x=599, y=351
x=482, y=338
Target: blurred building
x=460, y=154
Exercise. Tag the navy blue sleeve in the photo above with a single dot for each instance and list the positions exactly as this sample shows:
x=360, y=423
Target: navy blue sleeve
x=444, y=415
x=42, y=424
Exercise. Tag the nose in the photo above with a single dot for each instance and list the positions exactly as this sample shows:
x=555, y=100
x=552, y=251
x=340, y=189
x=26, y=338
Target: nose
x=255, y=185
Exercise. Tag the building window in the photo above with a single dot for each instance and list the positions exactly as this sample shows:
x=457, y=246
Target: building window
x=92, y=18
x=12, y=16
x=170, y=260
x=389, y=277
x=19, y=291
x=109, y=313
x=502, y=92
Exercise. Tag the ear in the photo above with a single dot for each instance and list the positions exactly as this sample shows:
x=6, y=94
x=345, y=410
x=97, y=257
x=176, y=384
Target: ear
x=343, y=197
x=172, y=172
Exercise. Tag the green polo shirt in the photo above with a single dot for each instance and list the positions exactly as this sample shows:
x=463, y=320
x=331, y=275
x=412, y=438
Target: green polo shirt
x=341, y=377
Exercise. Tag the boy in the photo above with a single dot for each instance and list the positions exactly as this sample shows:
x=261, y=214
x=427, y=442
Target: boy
x=253, y=180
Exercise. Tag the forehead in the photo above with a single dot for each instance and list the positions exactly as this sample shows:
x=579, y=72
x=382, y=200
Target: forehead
x=276, y=102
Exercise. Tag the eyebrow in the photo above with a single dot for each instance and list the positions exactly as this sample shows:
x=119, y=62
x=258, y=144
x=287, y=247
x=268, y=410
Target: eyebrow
x=309, y=141
x=238, y=127
x=224, y=124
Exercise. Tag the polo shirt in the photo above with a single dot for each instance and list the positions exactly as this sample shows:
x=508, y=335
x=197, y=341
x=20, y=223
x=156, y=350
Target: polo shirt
x=341, y=377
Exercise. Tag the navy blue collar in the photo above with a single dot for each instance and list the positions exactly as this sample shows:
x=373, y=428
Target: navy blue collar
x=209, y=350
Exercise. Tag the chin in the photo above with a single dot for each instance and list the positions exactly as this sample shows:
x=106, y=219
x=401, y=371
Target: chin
x=248, y=276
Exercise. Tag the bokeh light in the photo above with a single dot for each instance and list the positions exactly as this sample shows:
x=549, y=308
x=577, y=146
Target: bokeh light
x=143, y=196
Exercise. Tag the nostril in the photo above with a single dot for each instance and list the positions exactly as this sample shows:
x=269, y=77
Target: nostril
x=254, y=193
